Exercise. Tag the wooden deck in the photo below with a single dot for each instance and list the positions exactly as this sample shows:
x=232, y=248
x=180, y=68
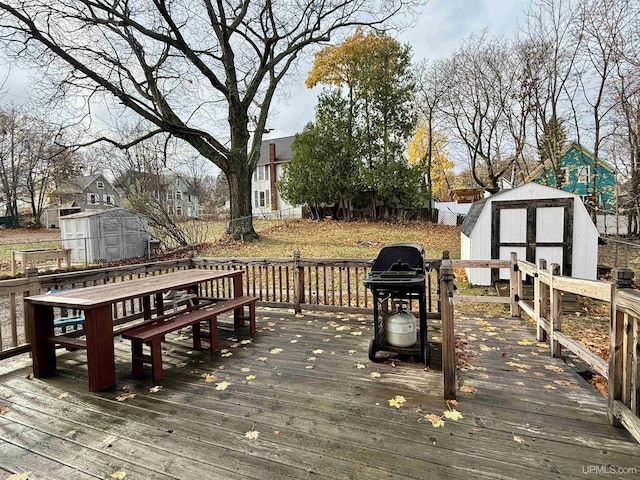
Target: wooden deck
x=315, y=411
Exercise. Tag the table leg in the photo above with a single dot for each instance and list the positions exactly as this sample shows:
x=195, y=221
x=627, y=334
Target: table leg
x=100, y=352
x=40, y=320
x=160, y=304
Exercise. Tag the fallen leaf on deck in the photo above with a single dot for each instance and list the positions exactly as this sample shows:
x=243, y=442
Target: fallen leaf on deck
x=245, y=369
x=343, y=327
x=119, y=475
x=435, y=420
x=275, y=351
x=352, y=352
x=311, y=359
x=309, y=367
x=155, y=389
x=452, y=402
x=222, y=385
x=554, y=368
x=397, y=401
x=539, y=374
x=467, y=389
x=375, y=374
x=525, y=342
x=209, y=377
x=453, y=414
x=71, y=433
x=19, y=476
x=271, y=324
x=4, y=409
x=125, y=396
x=357, y=334
x=63, y=395
x=250, y=377
x=225, y=355
x=520, y=384
x=359, y=365
x=262, y=359
x=107, y=442
x=299, y=315
x=325, y=340
x=252, y=435
x=318, y=351
x=564, y=383
x=245, y=342
x=550, y=387
x=518, y=439
x=519, y=365
x=181, y=364
x=293, y=341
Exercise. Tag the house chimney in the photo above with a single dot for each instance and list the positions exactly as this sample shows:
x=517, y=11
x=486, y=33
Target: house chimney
x=272, y=176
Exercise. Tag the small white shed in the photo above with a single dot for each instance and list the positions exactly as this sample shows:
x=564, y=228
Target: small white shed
x=536, y=222
x=104, y=235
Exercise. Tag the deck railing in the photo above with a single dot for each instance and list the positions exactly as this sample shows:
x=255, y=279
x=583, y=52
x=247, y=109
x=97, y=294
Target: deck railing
x=622, y=370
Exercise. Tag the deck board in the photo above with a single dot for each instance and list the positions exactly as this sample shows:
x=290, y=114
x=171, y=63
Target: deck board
x=329, y=421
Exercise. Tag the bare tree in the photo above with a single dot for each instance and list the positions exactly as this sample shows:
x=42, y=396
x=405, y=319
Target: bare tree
x=551, y=48
x=483, y=104
x=177, y=65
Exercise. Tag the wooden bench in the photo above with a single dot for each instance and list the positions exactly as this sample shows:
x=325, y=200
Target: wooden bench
x=153, y=333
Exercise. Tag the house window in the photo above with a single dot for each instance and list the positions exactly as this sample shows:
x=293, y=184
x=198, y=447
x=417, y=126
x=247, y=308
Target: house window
x=156, y=194
x=584, y=174
x=109, y=199
x=100, y=185
x=178, y=195
x=262, y=198
x=179, y=211
x=169, y=194
x=93, y=199
x=261, y=174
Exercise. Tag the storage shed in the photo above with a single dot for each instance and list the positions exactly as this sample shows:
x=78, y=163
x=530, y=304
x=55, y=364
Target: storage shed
x=104, y=235
x=536, y=222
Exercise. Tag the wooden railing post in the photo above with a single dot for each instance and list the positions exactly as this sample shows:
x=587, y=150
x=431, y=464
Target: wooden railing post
x=298, y=282
x=540, y=301
x=448, y=335
x=31, y=274
x=555, y=317
x=515, y=286
x=619, y=324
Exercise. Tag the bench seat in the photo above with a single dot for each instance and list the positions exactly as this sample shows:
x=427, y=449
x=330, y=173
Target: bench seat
x=153, y=333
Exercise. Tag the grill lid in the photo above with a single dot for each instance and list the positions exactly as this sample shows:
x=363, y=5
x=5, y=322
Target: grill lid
x=402, y=259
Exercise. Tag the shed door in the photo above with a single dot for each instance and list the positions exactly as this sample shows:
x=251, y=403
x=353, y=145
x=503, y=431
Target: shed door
x=534, y=229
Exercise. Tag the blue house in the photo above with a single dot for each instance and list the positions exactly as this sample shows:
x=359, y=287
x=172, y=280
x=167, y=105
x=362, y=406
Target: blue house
x=577, y=163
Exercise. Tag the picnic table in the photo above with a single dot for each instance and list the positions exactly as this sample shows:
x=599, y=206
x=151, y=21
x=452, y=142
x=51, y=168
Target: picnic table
x=96, y=303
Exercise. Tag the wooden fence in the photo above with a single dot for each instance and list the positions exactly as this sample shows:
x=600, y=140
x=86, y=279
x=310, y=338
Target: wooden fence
x=622, y=370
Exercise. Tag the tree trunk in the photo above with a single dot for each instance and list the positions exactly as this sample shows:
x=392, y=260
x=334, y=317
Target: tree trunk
x=241, y=222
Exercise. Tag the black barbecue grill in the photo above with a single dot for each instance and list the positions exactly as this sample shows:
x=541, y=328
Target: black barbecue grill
x=398, y=275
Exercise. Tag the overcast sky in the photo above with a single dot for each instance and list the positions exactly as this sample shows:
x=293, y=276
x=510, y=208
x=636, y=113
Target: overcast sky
x=440, y=29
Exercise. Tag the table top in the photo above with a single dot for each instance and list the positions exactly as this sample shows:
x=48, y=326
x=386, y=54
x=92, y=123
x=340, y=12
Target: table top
x=109, y=293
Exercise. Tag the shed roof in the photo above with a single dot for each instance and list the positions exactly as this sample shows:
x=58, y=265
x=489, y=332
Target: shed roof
x=103, y=212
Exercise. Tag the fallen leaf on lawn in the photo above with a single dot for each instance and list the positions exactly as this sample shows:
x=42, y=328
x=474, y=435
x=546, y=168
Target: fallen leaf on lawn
x=554, y=368
x=359, y=365
x=262, y=359
x=435, y=420
x=63, y=395
x=155, y=389
x=397, y=401
x=4, y=409
x=245, y=369
x=19, y=476
x=467, y=389
x=318, y=351
x=252, y=435
x=250, y=377
x=357, y=334
x=275, y=351
x=518, y=439
x=525, y=342
x=125, y=396
x=222, y=385
x=375, y=374
x=119, y=475
x=453, y=414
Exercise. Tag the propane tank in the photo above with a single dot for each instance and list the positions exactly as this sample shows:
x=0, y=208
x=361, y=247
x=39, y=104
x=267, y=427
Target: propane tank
x=400, y=326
